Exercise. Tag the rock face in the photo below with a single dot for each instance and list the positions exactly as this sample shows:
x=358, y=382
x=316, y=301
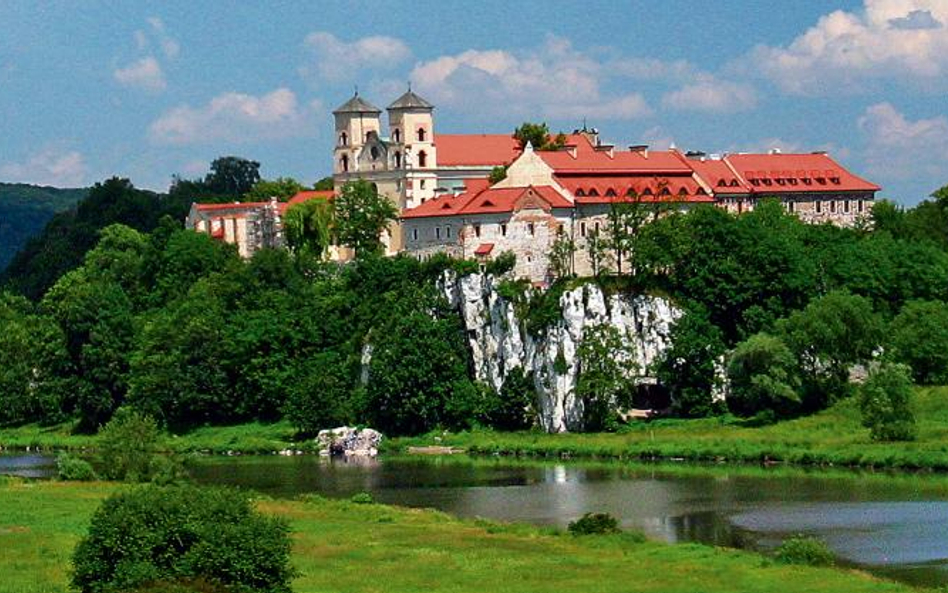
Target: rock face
x=349, y=442
x=500, y=343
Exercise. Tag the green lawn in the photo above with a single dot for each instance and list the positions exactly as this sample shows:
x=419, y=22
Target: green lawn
x=342, y=547
x=832, y=437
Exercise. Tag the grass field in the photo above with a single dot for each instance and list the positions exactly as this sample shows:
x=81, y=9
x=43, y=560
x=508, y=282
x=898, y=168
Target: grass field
x=342, y=547
x=832, y=437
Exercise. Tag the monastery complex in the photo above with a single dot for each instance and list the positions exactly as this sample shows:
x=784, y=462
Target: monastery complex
x=439, y=182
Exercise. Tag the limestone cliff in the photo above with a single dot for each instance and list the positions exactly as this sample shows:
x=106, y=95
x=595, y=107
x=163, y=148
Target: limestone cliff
x=499, y=341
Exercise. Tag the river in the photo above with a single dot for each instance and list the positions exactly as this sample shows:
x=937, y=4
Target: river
x=891, y=525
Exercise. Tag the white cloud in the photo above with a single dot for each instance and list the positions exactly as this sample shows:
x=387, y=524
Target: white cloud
x=712, y=95
x=145, y=74
x=339, y=60
x=898, y=148
x=233, y=117
x=553, y=80
x=49, y=167
x=844, y=51
x=169, y=47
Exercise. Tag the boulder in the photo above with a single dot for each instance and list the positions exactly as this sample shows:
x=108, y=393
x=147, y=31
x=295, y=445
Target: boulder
x=347, y=441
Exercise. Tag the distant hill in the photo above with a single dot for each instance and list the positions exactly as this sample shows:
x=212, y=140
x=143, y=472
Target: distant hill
x=25, y=210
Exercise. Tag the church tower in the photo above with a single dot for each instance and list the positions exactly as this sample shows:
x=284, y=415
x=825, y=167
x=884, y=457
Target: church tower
x=355, y=119
x=412, y=146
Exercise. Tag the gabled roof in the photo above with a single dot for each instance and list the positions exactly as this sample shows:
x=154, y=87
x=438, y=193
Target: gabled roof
x=357, y=105
x=789, y=173
x=410, y=101
x=486, y=150
x=718, y=176
x=486, y=201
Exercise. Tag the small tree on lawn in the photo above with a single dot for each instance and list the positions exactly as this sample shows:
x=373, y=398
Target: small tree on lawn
x=885, y=400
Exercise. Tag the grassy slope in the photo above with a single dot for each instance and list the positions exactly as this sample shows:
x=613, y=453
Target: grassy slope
x=834, y=436
x=342, y=547
x=25, y=209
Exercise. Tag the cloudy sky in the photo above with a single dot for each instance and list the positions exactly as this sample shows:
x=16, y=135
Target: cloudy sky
x=147, y=90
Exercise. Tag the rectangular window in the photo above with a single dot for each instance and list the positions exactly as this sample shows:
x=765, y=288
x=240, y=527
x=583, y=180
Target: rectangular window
x=447, y=232
x=503, y=230
x=846, y=206
x=833, y=206
x=582, y=229
x=790, y=206
x=477, y=230
x=421, y=184
x=819, y=206
x=437, y=232
x=530, y=228
x=860, y=205
x=414, y=234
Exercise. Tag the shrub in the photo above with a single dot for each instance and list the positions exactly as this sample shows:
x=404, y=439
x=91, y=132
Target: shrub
x=168, y=538
x=362, y=498
x=594, y=524
x=71, y=468
x=762, y=371
x=130, y=449
x=503, y=263
x=885, y=400
x=802, y=549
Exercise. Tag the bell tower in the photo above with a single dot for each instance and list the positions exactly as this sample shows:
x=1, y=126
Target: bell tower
x=355, y=120
x=411, y=132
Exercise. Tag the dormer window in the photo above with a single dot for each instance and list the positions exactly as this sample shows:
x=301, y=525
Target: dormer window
x=421, y=134
x=593, y=193
x=343, y=139
x=580, y=193
x=610, y=193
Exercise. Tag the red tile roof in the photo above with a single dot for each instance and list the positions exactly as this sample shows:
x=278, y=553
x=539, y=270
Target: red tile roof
x=305, y=196
x=484, y=249
x=612, y=188
x=486, y=201
x=586, y=158
x=229, y=206
x=460, y=150
x=718, y=176
x=788, y=173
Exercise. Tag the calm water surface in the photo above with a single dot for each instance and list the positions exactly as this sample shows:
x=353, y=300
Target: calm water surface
x=895, y=526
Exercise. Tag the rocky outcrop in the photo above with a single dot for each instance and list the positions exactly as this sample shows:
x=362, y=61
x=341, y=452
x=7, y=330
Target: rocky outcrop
x=499, y=341
x=349, y=442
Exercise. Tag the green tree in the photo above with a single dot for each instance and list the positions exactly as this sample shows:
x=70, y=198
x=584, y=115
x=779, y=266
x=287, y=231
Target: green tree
x=597, y=252
x=763, y=378
x=232, y=176
x=130, y=448
x=325, y=184
x=689, y=367
x=281, y=188
x=561, y=255
x=162, y=536
x=34, y=365
x=606, y=370
x=321, y=393
x=828, y=337
x=514, y=408
x=497, y=174
x=361, y=215
x=538, y=135
x=885, y=400
x=308, y=227
x=918, y=337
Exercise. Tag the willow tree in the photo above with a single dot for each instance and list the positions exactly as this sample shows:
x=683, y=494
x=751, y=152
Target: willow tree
x=309, y=226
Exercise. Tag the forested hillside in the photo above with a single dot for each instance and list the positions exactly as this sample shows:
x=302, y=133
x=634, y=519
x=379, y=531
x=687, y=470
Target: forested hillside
x=25, y=210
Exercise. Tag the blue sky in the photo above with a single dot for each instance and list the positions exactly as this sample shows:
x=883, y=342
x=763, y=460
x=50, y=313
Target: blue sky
x=147, y=90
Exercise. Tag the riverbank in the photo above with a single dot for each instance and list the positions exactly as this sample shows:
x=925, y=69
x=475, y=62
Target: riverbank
x=353, y=548
x=834, y=437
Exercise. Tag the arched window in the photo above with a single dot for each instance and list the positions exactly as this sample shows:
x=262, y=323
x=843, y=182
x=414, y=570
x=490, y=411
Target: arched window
x=396, y=136
x=343, y=139
x=422, y=158
x=398, y=159
x=344, y=161
x=421, y=136
x=375, y=153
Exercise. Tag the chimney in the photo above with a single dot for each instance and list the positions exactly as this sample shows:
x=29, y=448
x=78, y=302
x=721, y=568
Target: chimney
x=640, y=148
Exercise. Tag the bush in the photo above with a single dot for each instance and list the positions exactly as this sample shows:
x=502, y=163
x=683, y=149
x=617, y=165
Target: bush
x=503, y=263
x=885, y=400
x=131, y=449
x=806, y=550
x=763, y=375
x=362, y=498
x=73, y=468
x=169, y=538
x=594, y=524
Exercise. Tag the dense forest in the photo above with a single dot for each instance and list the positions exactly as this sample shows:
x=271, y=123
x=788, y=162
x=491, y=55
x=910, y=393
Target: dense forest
x=175, y=324
x=25, y=210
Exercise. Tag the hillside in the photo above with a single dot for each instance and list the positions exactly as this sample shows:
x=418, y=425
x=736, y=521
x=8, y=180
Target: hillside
x=25, y=210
